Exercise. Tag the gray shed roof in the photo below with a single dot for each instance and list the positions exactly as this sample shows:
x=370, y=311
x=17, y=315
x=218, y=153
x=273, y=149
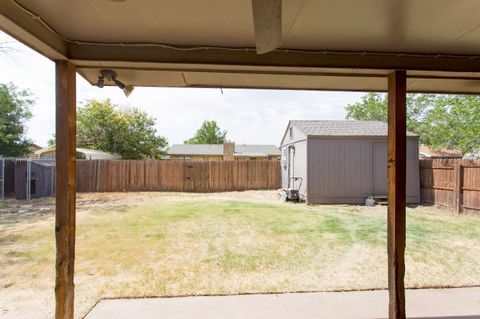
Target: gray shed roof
x=343, y=128
x=217, y=149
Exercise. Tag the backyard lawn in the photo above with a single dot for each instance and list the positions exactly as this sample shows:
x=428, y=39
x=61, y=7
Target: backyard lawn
x=168, y=244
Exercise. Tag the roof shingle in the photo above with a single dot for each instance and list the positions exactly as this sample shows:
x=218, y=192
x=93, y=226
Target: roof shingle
x=343, y=128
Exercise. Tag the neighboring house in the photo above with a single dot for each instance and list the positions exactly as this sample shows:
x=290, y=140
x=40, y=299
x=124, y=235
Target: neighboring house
x=427, y=152
x=223, y=152
x=471, y=156
x=343, y=161
x=32, y=148
x=82, y=153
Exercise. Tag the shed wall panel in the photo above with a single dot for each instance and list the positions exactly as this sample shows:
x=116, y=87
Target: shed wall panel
x=413, y=171
x=339, y=169
x=342, y=170
x=380, y=165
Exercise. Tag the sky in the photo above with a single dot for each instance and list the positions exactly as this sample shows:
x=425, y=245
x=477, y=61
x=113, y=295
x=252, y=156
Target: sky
x=249, y=116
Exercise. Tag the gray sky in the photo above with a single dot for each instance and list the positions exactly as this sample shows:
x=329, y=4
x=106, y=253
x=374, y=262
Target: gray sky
x=249, y=116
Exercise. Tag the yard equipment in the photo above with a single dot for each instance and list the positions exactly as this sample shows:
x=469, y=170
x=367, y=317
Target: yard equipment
x=292, y=193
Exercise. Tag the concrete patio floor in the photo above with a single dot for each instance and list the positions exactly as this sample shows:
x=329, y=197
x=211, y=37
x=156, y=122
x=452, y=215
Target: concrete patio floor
x=458, y=303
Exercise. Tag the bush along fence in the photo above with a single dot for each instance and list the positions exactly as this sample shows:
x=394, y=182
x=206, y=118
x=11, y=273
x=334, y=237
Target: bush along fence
x=454, y=184
x=181, y=176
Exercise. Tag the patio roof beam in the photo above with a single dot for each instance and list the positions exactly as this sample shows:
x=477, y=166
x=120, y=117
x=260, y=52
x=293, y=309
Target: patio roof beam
x=277, y=58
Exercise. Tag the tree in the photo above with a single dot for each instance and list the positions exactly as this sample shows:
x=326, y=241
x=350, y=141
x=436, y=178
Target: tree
x=51, y=142
x=454, y=122
x=15, y=107
x=373, y=107
x=130, y=133
x=208, y=133
x=450, y=121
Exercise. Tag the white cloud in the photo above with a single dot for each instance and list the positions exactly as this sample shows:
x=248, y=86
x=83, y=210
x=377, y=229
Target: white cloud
x=249, y=116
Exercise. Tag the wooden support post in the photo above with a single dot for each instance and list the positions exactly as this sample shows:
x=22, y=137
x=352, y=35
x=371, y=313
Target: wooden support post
x=397, y=159
x=65, y=192
x=457, y=187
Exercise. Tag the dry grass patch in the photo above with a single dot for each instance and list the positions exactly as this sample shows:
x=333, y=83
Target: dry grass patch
x=184, y=244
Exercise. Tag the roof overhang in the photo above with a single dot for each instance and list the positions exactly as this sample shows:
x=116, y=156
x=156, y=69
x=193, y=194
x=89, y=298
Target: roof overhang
x=212, y=44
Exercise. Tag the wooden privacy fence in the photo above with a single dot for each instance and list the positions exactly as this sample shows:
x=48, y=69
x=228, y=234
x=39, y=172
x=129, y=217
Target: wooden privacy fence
x=180, y=176
x=454, y=184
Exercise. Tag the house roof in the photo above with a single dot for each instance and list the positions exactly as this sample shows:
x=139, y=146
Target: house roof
x=334, y=45
x=87, y=152
x=343, y=128
x=196, y=149
x=35, y=147
x=425, y=151
x=256, y=150
x=217, y=149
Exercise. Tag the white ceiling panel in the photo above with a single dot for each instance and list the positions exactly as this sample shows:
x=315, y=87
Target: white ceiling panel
x=420, y=26
x=328, y=44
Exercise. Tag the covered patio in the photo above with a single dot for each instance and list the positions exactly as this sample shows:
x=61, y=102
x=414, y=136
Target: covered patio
x=393, y=46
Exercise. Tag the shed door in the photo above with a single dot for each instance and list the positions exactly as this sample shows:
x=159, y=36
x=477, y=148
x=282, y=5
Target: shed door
x=379, y=168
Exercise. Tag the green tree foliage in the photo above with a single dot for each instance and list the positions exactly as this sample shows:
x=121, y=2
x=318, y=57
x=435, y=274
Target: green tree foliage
x=451, y=121
x=15, y=107
x=130, y=133
x=454, y=122
x=51, y=142
x=208, y=133
x=372, y=107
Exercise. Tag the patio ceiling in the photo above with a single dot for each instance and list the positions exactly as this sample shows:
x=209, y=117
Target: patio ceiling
x=325, y=45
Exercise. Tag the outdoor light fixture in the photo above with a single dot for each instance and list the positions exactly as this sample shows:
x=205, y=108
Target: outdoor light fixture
x=127, y=89
x=111, y=76
x=100, y=82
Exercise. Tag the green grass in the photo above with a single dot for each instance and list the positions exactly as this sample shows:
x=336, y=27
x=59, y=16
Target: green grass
x=201, y=246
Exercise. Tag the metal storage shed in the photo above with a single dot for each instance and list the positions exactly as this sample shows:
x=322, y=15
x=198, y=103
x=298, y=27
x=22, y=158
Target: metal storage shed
x=343, y=162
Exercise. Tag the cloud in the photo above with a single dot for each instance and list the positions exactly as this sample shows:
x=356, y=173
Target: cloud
x=249, y=116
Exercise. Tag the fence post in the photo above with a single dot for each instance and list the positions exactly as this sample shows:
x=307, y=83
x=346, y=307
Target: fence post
x=457, y=187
